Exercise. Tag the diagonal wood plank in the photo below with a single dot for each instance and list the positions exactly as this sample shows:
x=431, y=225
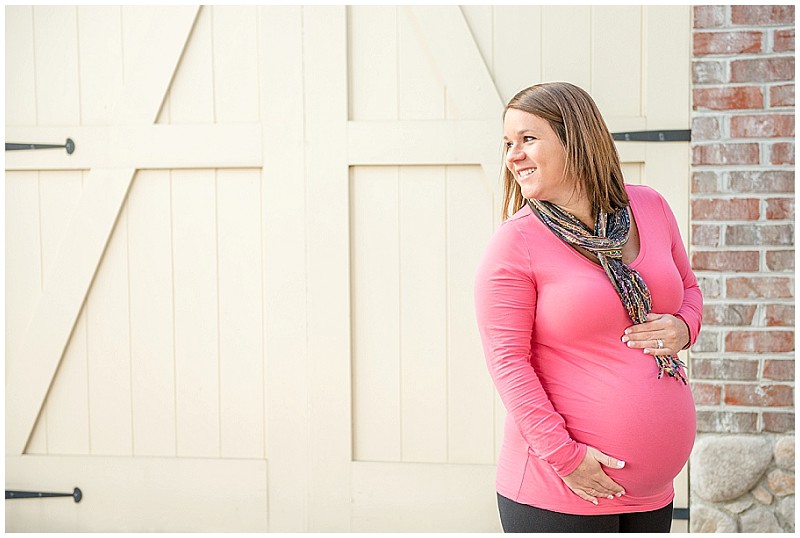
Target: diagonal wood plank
x=471, y=91
x=452, y=49
x=31, y=369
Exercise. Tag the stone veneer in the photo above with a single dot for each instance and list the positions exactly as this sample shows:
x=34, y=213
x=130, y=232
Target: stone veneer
x=742, y=250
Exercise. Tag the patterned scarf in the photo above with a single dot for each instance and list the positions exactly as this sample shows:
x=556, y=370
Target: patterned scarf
x=611, y=231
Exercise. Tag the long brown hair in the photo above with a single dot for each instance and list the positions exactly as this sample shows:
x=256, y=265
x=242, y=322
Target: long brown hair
x=591, y=156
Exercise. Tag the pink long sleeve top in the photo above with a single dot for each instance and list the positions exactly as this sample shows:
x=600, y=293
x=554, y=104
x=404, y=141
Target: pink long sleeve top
x=551, y=324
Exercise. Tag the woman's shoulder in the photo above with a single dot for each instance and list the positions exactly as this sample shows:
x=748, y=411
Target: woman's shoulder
x=644, y=194
x=509, y=229
x=520, y=215
x=510, y=239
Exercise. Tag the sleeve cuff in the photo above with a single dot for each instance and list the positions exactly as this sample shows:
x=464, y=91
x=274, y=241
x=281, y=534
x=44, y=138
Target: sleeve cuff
x=692, y=337
x=571, y=462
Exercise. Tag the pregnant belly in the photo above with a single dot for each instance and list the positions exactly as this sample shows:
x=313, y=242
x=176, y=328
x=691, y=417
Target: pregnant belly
x=648, y=423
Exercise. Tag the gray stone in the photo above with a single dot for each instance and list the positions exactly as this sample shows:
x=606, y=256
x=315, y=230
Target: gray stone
x=785, y=512
x=784, y=453
x=723, y=468
x=739, y=505
x=780, y=482
x=707, y=519
x=759, y=519
x=762, y=495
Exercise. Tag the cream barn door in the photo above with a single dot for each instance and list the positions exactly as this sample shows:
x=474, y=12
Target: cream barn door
x=134, y=290
x=423, y=147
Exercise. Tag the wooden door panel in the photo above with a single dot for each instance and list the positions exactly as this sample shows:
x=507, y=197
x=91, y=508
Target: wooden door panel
x=396, y=398
x=122, y=494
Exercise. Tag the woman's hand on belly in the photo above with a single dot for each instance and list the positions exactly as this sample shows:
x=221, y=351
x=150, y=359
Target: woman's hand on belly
x=672, y=331
x=588, y=481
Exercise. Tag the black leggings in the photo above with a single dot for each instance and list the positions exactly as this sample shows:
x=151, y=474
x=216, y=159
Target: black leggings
x=517, y=517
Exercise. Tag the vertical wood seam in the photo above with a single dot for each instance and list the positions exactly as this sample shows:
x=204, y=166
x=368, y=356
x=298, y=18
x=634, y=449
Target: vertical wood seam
x=306, y=342
x=211, y=10
x=446, y=458
x=35, y=78
x=400, y=308
x=174, y=313
x=43, y=412
x=78, y=64
x=130, y=317
x=216, y=265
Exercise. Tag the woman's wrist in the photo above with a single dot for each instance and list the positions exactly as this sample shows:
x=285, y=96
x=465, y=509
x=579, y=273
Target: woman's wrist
x=688, y=332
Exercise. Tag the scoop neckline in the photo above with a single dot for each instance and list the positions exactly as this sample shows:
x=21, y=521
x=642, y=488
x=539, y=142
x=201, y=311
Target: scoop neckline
x=632, y=202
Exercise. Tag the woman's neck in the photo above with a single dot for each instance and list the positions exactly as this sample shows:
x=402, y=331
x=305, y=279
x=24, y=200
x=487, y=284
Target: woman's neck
x=581, y=208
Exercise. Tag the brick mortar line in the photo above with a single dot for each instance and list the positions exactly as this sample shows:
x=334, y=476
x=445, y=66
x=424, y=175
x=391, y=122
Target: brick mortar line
x=750, y=407
x=707, y=273
x=759, y=223
x=735, y=248
x=732, y=222
x=722, y=29
x=760, y=85
x=743, y=408
x=735, y=56
x=753, y=168
x=717, y=330
x=717, y=381
x=727, y=113
x=723, y=85
x=698, y=142
x=729, y=58
x=752, y=328
x=768, y=140
x=760, y=359
x=727, y=195
x=747, y=302
x=744, y=27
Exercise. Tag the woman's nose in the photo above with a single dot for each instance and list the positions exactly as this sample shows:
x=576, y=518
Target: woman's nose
x=514, y=154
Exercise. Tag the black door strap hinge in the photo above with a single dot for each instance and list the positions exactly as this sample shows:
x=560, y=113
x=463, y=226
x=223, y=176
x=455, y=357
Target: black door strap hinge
x=69, y=145
x=76, y=495
x=674, y=135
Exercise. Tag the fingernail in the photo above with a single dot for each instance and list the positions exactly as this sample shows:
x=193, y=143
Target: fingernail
x=627, y=331
x=594, y=502
x=620, y=494
x=625, y=338
x=620, y=465
x=611, y=497
x=630, y=344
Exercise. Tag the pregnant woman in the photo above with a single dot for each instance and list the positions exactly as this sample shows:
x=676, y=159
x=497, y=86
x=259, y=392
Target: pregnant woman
x=584, y=297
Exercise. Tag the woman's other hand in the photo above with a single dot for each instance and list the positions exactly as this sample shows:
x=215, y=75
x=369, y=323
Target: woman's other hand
x=671, y=331
x=588, y=481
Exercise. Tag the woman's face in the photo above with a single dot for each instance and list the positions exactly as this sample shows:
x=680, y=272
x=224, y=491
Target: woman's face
x=536, y=158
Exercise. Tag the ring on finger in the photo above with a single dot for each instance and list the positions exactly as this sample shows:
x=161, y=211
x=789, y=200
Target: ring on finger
x=660, y=343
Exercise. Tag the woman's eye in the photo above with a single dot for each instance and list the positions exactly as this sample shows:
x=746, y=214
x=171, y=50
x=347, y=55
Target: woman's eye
x=529, y=138
x=508, y=145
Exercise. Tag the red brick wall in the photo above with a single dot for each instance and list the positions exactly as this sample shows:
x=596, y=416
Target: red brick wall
x=742, y=215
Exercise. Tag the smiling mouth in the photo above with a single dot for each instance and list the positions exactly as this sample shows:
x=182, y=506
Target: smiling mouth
x=526, y=172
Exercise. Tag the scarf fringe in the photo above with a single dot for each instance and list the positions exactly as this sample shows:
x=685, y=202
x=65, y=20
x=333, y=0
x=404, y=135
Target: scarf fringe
x=672, y=365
